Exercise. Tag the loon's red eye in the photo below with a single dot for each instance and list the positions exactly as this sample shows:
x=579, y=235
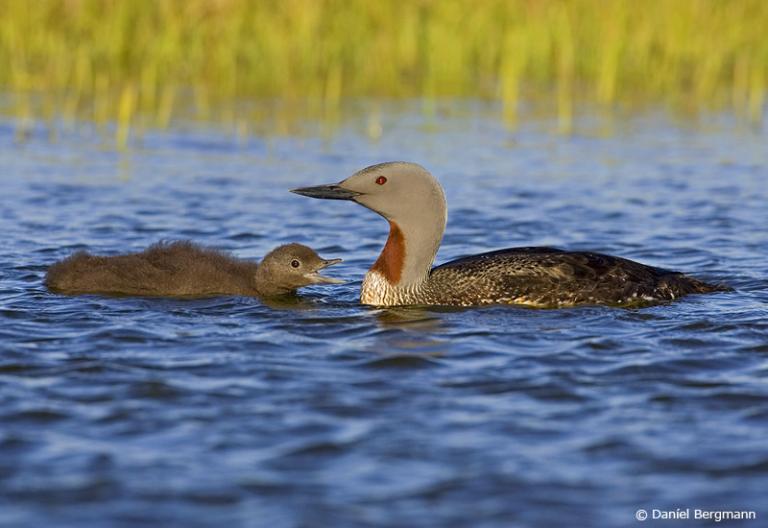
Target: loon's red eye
x=381, y=180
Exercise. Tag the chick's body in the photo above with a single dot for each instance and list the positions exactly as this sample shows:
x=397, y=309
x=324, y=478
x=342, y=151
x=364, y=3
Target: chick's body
x=187, y=269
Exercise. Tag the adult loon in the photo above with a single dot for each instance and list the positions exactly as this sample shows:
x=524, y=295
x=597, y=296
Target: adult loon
x=413, y=202
x=186, y=269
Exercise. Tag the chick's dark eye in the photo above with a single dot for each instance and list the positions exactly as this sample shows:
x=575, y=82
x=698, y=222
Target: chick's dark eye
x=295, y=263
x=381, y=180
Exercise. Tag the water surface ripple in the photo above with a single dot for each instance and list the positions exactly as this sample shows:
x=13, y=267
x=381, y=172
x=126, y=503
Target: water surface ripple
x=320, y=412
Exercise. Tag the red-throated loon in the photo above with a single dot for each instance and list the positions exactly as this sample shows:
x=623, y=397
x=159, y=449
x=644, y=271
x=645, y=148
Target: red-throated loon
x=186, y=269
x=412, y=200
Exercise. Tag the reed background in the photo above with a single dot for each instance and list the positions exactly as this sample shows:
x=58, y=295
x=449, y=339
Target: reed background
x=144, y=61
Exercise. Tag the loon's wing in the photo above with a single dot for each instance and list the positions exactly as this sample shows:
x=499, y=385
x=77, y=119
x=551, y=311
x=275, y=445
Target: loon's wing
x=544, y=276
x=545, y=263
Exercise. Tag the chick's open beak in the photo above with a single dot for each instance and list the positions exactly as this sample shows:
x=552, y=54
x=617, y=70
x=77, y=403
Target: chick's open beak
x=316, y=278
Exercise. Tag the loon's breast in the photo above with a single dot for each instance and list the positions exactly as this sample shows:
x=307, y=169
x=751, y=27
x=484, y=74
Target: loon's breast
x=550, y=277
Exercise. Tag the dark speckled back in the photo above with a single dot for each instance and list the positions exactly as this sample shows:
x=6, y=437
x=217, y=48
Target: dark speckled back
x=550, y=277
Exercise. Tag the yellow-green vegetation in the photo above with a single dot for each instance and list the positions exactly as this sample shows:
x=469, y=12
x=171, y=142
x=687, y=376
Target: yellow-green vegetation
x=117, y=60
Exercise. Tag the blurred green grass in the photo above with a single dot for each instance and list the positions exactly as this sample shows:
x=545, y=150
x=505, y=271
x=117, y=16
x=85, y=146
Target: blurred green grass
x=116, y=60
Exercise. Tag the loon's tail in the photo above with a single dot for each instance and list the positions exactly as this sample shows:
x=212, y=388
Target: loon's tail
x=685, y=285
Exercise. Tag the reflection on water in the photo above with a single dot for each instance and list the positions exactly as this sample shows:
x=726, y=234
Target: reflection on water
x=412, y=318
x=316, y=411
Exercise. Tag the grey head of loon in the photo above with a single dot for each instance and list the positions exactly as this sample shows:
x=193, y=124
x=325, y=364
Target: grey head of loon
x=413, y=202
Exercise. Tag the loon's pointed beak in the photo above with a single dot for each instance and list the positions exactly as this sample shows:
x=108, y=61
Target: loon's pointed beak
x=316, y=278
x=327, y=192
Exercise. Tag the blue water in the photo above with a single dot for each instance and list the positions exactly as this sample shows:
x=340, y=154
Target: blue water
x=127, y=412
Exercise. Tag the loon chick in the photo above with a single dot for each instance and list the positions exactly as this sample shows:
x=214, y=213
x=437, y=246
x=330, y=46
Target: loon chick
x=412, y=200
x=185, y=269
